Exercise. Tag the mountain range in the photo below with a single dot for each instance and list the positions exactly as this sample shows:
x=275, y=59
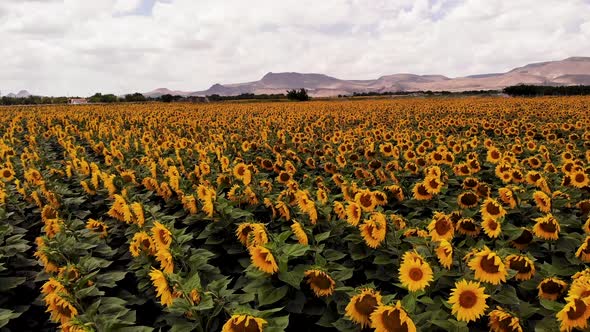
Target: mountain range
x=20, y=94
x=570, y=71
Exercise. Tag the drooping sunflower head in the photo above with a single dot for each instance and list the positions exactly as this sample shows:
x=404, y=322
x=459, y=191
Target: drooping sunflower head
x=353, y=213
x=467, y=200
x=390, y=318
x=263, y=259
x=244, y=323
x=374, y=229
x=467, y=226
x=551, y=288
x=444, y=253
x=433, y=184
x=574, y=314
x=441, y=227
x=468, y=300
x=491, y=209
x=583, y=252
x=421, y=192
x=524, y=266
x=320, y=282
x=523, y=240
x=161, y=235
x=542, y=201
x=361, y=306
x=502, y=321
x=365, y=200
x=488, y=267
x=547, y=227
x=299, y=233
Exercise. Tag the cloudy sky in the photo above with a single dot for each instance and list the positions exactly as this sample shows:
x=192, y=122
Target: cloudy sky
x=78, y=47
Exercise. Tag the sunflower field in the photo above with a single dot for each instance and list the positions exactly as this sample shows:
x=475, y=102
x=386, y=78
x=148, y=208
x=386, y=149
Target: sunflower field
x=441, y=214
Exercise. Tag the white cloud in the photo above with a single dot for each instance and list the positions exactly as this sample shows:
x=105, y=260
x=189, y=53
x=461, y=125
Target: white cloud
x=80, y=47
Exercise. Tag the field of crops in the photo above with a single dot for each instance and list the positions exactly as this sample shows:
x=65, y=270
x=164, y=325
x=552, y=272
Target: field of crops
x=466, y=214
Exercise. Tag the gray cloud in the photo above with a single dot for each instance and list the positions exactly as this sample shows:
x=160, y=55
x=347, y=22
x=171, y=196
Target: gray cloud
x=80, y=47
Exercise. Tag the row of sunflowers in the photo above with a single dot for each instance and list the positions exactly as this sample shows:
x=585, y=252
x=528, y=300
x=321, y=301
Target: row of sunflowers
x=385, y=215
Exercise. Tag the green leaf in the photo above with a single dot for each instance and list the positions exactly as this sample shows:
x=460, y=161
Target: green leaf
x=7, y=283
x=322, y=236
x=551, y=305
x=294, y=250
x=7, y=315
x=270, y=295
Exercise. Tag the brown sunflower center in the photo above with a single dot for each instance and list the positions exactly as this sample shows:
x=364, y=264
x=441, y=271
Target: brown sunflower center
x=493, y=209
x=247, y=325
x=492, y=224
x=241, y=171
x=468, y=225
x=366, y=305
x=366, y=200
x=548, y=226
x=488, y=264
x=507, y=326
x=520, y=265
x=525, y=237
x=392, y=321
x=6, y=173
x=551, y=287
x=65, y=311
x=422, y=190
x=578, y=311
x=321, y=281
x=442, y=226
x=469, y=199
x=416, y=274
x=467, y=299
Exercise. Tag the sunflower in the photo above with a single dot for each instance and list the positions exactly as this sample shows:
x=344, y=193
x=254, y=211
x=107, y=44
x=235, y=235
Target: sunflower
x=244, y=323
x=421, y=192
x=6, y=174
x=162, y=288
x=574, y=314
x=468, y=300
x=542, y=201
x=491, y=227
x=263, y=259
x=551, y=288
x=580, y=288
x=547, y=228
x=524, y=266
x=339, y=209
x=398, y=221
x=579, y=179
x=97, y=227
x=491, y=209
x=523, y=240
x=374, y=229
x=320, y=282
x=507, y=197
x=415, y=275
x=583, y=252
x=388, y=318
x=61, y=309
x=365, y=200
x=361, y=306
x=284, y=177
x=502, y=321
x=467, y=226
x=353, y=213
x=242, y=173
x=161, y=235
x=488, y=267
x=433, y=184
x=299, y=232
x=444, y=253
x=441, y=227
x=165, y=259
x=467, y=200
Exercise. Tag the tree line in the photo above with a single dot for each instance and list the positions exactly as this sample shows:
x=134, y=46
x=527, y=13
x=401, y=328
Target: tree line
x=546, y=90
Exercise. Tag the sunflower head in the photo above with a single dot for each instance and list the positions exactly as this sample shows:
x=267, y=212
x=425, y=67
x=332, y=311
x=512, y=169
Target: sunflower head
x=502, y=321
x=491, y=227
x=161, y=235
x=320, y=282
x=263, y=259
x=243, y=323
x=468, y=300
x=444, y=253
x=491, y=209
x=361, y=306
x=524, y=266
x=415, y=274
x=488, y=267
x=389, y=318
x=441, y=227
x=551, y=288
x=467, y=226
x=574, y=314
x=547, y=227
